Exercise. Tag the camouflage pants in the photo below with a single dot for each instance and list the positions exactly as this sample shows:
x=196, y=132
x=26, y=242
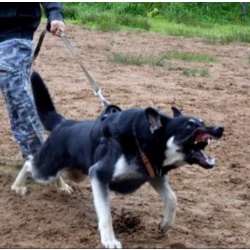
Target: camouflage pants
x=15, y=70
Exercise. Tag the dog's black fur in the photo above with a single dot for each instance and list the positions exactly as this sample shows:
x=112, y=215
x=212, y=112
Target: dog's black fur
x=72, y=144
x=112, y=150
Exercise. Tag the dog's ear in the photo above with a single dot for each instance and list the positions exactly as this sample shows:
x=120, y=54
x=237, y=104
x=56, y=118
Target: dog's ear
x=154, y=119
x=176, y=112
x=112, y=109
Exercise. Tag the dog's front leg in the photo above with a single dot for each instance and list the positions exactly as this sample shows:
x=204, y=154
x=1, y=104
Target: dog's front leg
x=162, y=187
x=102, y=206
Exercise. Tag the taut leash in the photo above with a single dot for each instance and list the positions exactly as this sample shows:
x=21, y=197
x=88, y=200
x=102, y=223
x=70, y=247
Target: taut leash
x=97, y=91
x=95, y=87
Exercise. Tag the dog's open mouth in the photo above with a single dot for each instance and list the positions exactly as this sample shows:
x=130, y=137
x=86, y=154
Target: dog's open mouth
x=200, y=140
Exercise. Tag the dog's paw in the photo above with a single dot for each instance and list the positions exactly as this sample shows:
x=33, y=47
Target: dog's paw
x=164, y=226
x=66, y=189
x=112, y=244
x=19, y=190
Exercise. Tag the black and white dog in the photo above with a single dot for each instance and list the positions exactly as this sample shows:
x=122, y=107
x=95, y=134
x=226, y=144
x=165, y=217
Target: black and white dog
x=120, y=151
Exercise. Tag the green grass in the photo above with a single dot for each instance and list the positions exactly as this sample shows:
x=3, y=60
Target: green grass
x=107, y=21
x=135, y=60
x=190, y=13
x=190, y=57
x=213, y=33
x=196, y=72
x=157, y=61
x=248, y=58
x=239, y=36
x=213, y=22
x=131, y=21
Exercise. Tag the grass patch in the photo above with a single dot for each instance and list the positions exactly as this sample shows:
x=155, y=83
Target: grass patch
x=109, y=22
x=99, y=21
x=71, y=12
x=214, y=22
x=157, y=61
x=131, y=21
x=136, y=60
x=248, y=58
x=192, y=14
x=212, y=33
x=239, y=36
x=195, y=72
x=190, y=57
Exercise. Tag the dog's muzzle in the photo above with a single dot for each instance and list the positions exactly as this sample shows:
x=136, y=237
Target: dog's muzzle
x=198, y=142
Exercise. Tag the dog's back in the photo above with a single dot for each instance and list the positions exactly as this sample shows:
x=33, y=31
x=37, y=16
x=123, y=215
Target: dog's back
x=71, y=143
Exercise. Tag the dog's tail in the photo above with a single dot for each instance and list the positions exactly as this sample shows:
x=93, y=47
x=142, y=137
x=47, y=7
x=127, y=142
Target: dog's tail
x=44, y=104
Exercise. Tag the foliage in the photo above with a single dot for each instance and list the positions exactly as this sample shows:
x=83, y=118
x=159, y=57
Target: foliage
x=215, y=22
x=106, y=21
x=190, y=13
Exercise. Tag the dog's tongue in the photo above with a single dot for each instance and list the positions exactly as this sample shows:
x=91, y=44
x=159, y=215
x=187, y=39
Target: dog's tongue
x=208, y=160
x=204, y=160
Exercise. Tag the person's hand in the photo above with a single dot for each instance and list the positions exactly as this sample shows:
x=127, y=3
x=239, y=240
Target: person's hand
x=56, y=27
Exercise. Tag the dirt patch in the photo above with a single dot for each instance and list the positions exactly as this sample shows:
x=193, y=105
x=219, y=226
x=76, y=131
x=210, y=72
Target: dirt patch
x=213, y=206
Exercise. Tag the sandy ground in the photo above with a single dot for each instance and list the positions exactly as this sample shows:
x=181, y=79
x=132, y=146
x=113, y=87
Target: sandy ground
x=213, y=206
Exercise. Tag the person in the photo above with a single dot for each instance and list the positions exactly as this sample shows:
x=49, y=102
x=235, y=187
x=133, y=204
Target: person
x=18, y=23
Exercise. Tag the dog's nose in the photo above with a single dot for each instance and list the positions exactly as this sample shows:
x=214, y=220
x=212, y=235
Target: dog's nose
x=218, y=130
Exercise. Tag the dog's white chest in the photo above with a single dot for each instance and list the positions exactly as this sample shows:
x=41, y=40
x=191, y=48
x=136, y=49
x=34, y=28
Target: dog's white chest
x=173, y=154
x=124, y=171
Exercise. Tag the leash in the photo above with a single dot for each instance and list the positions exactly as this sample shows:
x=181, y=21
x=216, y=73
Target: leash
x=97, y=91
x=39, y=45
x=95, y=87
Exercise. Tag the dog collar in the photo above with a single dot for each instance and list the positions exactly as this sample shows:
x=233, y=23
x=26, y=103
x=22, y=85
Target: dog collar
x=147, y=163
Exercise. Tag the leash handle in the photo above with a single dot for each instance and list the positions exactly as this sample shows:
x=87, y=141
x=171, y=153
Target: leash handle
x=95, y=87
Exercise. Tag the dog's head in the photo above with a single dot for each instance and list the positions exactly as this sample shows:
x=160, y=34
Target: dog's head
x=185, y=138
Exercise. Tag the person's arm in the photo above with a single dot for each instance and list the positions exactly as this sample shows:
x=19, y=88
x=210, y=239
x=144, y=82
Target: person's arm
x=54, y=15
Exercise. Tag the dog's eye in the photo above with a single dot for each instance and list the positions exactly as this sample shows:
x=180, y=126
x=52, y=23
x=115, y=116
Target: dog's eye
x=191, y=124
